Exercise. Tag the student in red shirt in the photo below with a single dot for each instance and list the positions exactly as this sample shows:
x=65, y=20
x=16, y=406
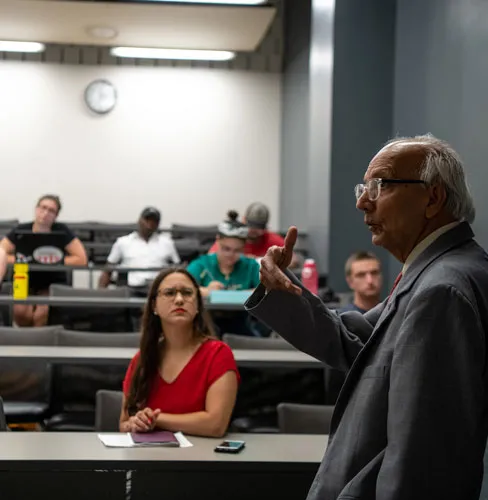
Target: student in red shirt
x=181, y=379
x=259, y=238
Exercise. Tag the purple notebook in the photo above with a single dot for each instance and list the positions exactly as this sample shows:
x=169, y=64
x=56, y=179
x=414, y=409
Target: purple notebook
x=156, y=438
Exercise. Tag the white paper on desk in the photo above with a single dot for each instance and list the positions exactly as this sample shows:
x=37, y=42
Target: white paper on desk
x=123, y=440
x=119, y=440
x=184, y=443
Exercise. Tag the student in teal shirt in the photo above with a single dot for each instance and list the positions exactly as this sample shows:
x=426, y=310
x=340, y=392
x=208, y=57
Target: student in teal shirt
x=228, y=268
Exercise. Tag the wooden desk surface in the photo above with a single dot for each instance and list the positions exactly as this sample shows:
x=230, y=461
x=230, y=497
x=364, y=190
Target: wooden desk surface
x=122, y=355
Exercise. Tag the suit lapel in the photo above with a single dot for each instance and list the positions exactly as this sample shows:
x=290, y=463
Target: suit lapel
x=453, y=238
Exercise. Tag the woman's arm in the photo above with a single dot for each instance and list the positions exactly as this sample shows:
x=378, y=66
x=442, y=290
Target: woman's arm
x=3, y=263
x=76, y=254
x=9, y=249
x=124, y=424
x=214, y=420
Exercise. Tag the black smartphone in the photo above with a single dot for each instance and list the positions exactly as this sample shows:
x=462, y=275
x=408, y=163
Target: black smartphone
x=230, y=447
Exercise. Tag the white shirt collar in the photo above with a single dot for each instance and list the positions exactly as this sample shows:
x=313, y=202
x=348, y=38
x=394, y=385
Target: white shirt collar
x=137, y=236
x=426, y=242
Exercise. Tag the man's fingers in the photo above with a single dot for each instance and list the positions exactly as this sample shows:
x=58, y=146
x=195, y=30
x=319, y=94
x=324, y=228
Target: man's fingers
x=274, y=279
x=291, y=239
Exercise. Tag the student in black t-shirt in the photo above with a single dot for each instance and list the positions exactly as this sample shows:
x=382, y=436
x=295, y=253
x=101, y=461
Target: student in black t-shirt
x=47, y=210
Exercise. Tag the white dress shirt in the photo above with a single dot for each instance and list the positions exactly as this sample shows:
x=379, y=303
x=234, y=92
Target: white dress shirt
x=427, y=241
x=134, y=251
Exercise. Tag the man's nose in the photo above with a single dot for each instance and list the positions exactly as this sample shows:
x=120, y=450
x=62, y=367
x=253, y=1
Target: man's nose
x=364, y=203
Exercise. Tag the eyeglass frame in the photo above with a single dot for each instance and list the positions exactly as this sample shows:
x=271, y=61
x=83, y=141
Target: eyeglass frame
x=380, y=181
x=164, y=293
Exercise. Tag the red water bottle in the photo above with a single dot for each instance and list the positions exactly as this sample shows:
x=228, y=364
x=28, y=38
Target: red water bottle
x=310, y=276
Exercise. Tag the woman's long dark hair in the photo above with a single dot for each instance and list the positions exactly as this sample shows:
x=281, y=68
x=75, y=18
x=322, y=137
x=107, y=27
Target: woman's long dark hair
x=150, y=349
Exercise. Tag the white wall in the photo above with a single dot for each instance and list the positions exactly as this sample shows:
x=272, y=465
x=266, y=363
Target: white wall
x=193, y=142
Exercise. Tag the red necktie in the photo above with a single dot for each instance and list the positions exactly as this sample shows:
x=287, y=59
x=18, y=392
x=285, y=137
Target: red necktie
x=397, y=280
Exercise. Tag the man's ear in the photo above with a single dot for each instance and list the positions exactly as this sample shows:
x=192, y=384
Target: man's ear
x=437, y=200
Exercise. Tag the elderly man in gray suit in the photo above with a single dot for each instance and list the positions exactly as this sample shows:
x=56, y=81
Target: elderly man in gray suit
x=411, y=420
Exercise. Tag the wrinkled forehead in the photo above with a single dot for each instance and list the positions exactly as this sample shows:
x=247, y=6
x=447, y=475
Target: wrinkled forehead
x=397, y=160
x=176, y=280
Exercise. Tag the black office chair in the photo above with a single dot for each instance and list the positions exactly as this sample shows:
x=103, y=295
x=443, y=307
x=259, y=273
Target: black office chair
x=95, y=319
x=204, y=234
x=75, y=386
x=3, y=421
x=304, y=419
x=108, y=233
x=26, y=385
x=7, y=224
x=261, y=391
x=6, y=311
x=107, y=412
x=188, y=248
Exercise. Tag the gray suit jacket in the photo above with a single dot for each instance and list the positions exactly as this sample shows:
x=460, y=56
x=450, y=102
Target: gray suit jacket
x=411, y=420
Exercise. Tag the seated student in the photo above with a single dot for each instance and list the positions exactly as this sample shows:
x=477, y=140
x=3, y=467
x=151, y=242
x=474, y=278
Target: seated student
x=227, y=268
x=363, y=275
x=259, y=239
x=47, y=210
x=181, y=379
x=142, y=248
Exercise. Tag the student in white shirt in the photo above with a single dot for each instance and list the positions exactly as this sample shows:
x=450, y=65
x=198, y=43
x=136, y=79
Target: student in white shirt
x=144, y=248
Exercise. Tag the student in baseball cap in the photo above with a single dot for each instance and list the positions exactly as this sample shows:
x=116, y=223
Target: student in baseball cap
x=226, y=268
x=144, y=248
x=259, y=239
x=229, y=269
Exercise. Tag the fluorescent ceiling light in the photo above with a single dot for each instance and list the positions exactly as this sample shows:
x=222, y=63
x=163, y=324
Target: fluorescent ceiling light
x=190, y=55
x=219, y=2
x=6, y=46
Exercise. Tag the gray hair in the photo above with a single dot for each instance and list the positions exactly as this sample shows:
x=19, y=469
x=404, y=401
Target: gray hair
x=443, y=165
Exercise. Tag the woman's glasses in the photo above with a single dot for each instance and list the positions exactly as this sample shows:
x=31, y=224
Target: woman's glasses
x=171, y=293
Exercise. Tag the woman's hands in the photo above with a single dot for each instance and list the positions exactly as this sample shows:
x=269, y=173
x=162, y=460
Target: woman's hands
x=143, y=420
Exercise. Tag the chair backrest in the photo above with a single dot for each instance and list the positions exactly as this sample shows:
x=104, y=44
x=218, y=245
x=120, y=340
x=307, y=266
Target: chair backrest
x=69, y=291
x=95, y=339
x=108, y=233
x=22, y=380
x=243, y=342
x=106, y=319
x=107, y=410
x=44, y=335
x=3, y=420
x=188, y=248
x=204, y=234
x=304, y=419
x=75, y=386
x=6, y=311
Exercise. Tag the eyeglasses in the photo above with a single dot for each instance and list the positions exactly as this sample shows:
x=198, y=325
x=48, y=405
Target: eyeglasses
x=373, y=186
x=171, y=293
x=230, y=250
x=45, y=208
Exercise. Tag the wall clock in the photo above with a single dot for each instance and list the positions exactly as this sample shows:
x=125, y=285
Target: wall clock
x=100, y=96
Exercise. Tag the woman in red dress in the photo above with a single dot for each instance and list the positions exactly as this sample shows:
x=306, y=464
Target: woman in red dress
x=182, y=379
